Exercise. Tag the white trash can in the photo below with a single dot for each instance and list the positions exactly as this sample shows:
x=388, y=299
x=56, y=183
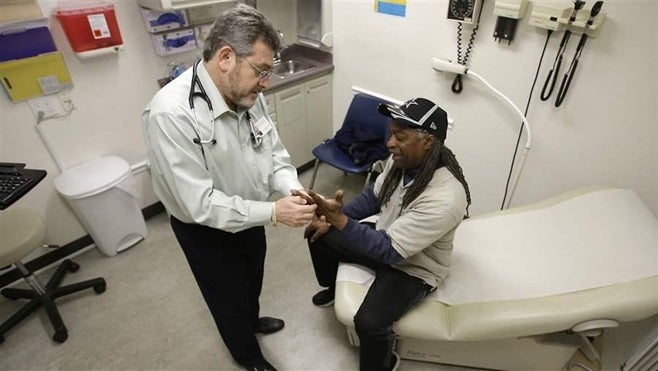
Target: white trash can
x=104, y=196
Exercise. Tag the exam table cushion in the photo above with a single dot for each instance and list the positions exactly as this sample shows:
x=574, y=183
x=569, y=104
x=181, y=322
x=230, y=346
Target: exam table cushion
x=587, y=254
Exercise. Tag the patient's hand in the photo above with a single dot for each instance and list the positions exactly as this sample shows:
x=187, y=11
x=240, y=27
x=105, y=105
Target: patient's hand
x=317, y=228
x=332, y=209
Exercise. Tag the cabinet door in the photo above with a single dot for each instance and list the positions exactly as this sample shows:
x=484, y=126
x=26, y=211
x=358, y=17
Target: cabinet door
x=271, y=107
x=319, y=110
x=290, y=114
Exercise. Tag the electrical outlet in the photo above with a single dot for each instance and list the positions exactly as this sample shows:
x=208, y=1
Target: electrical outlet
x=49, y=106
x=67, y=102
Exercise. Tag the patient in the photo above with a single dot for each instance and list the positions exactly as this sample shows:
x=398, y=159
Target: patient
x=420, y=198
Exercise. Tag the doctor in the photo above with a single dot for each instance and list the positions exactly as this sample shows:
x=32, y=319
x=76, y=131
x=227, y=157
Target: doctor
x=216, y=158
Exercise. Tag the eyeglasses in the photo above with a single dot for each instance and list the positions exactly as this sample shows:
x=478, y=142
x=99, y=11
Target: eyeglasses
x=262, y=74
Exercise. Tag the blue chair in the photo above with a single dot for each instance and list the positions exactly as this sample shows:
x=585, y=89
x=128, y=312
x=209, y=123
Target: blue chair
x=364, y=133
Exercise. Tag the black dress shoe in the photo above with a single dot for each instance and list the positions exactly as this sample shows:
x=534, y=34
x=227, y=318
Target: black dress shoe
x=268, y=325
x=324, y=298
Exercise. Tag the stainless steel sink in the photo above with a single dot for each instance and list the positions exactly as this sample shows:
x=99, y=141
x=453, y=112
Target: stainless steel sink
x=290, y=67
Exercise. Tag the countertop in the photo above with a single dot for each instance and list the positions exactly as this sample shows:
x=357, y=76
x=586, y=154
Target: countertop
x=321, y=61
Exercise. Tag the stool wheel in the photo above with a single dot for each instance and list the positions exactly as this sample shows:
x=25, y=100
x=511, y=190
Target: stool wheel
x=100, y=288
x=8, y=294
x=73, y=266
x=60, y=336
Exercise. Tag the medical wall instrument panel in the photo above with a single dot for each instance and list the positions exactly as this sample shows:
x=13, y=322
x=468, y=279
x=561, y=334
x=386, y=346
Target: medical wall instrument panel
x=570, y=17
x=587, y=22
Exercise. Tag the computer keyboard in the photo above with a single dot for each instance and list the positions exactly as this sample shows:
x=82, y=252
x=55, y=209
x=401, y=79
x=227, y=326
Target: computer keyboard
x=16, y=183
x=10, y=184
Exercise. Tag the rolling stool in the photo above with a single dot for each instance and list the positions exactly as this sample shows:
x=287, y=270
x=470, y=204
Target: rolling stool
x=21, y=232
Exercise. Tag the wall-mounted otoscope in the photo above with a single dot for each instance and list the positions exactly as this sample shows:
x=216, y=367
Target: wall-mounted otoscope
x=566, y=80
x=557, y=63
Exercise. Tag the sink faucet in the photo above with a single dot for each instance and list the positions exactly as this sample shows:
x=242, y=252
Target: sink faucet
x=282, y=47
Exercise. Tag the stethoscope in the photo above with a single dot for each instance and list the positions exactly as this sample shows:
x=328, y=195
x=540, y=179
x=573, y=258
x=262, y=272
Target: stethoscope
x=203, y=95
x=256, y=135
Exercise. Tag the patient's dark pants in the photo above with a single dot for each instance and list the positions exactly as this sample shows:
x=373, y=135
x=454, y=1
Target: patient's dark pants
x=228, y=268
x=390, y=296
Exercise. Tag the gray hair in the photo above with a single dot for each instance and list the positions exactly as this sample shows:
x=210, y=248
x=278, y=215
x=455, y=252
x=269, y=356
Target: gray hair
x=240, y=28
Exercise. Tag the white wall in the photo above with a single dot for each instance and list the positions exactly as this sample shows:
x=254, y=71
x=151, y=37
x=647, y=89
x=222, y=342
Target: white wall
x=604, y=133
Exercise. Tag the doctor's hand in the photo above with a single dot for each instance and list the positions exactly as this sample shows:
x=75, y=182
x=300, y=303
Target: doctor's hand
x=317, y=228
x=331, y=209
x=303, y=194
x=294, y=211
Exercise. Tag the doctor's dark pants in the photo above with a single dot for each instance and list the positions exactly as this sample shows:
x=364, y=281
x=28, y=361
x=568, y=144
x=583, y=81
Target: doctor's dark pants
x=228, y=267
x=391, y=295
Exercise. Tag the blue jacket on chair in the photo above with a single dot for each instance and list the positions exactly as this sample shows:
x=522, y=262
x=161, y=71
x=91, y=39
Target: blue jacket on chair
x=362, y=143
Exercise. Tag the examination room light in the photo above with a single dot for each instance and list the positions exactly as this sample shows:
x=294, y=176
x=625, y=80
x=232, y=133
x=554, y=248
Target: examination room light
x=444, y=65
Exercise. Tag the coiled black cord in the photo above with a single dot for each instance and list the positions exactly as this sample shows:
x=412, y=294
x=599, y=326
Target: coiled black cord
x=525, y=113
x=459, y=43
x=457, y=86
x=469, y=47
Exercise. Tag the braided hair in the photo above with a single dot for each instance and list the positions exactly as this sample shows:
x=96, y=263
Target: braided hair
x=439, y=155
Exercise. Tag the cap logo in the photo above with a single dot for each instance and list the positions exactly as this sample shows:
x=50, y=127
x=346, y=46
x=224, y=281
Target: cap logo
x=410, y=102
x=432, y=125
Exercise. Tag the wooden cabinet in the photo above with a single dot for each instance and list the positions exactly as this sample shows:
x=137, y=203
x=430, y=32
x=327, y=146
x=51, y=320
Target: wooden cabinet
x=319, y=110
x=302, y=114
x=291, y=122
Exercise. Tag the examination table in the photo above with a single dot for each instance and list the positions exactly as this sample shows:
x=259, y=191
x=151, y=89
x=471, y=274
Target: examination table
x=530, y=285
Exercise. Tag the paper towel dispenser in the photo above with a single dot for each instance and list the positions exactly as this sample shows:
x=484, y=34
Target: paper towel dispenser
x=314, y=23
x=177, y=4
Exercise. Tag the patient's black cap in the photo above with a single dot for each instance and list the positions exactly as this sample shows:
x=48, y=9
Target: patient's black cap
x=419, y=113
